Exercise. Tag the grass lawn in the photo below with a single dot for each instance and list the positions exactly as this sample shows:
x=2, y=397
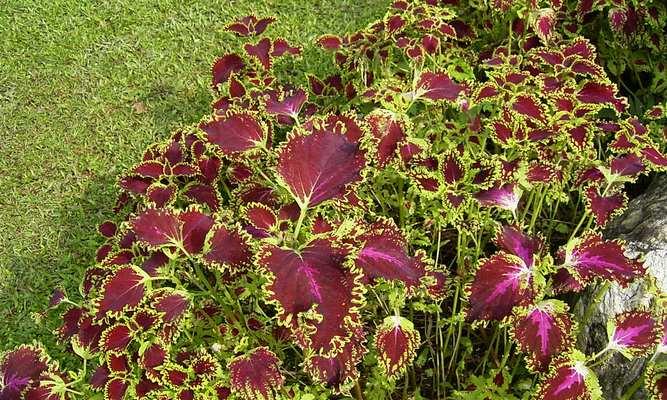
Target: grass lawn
x=84, y=87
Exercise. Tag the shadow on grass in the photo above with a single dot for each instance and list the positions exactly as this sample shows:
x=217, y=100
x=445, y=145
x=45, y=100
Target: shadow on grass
x=62, y=265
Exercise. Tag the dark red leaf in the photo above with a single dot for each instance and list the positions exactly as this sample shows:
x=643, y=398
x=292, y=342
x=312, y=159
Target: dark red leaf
x=256, y=375
x=439, y=86
x=123, y=290
x=319, y=166
x=235, y=133
x=224, y=67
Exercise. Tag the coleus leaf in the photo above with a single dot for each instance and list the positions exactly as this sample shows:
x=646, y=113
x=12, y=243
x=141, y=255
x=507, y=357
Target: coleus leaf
x=626, y=165
x=544, y=24
x=281, y=47
x=505, y=196
x=261, y=216
x=387, y=132
x=19, y=369
x=223, y=68
x=205, y=195
x=100, y=377
x=385, y=255
x=338, y=372
x=600, y=93
x=511, y=239
x=290, y=105
x=261, y=51
x=161, y=195
x=438, y=86
x=115, y=389
x=500, y=283
x=116, y=338
x=604, y=207
x=591, y=257
x=184, y=230
x=452, y=168
x=319, y=166
x=317, y=294
x=656, y=382
x=655, y=157
x=152, y=357
x=396, y=342
x=256, y=375
x=528, y=106
x=228, y=249
x=107, y=229
x=89, y=333
x=634, y=333
x=543, y=331
x=170, y=304
x=569, y=379
x=235, y=133
x=249, y=26
x=662, y=347
x=123, y=290
x=330, y=42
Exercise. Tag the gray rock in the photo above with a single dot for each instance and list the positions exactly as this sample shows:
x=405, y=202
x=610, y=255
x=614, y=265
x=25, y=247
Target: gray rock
x=643, y=227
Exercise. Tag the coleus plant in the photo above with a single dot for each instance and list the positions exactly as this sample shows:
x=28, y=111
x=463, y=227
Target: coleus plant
x=419, y=223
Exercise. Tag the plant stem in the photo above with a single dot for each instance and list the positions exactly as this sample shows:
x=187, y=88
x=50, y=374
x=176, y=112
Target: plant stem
x=302, y=214
x=358, y=395
x=596, y=300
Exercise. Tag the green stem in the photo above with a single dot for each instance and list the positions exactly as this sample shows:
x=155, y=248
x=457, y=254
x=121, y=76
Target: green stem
x=633, y=389
x=302, y=214
x=596, y=300
x=357, y=391
x=576, y=228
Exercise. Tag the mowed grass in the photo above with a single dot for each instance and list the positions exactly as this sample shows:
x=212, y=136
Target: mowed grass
x=84, y=88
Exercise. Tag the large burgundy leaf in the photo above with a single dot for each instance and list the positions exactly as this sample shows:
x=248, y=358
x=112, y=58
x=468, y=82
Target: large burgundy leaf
x=635, y=333
x=338, y=372
x=115, y=389
x=570, y=380
x=594, y=92
x=396, y=343
x=387, y=132
x=235, y=133
x=591, y=256
x=604, y=207
x=256, y=375
x=224, y=67
x=528, y=106
x=228, y=249
x=185, y=230
x=655, y=157
x=314, y=280
x=501, y=283
x=124, y=289
x=116, y=338
x=261, y=51
x=511, y=239
x=439, y=86
x=600, y=93
x=384, y=255
x=505, y=196
x=20, y=368
x=170, y=304
x=543, y=332
x=289, y=106
x=319, y=166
